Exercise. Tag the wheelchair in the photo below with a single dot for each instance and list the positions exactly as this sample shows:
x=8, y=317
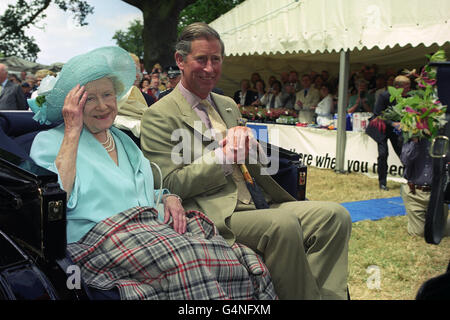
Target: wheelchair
x=34, y=264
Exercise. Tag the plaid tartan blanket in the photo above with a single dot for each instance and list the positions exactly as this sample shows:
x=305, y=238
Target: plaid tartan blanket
x=146, y=259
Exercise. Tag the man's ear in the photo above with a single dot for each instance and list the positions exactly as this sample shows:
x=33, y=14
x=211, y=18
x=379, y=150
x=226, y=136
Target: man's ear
x=179, y=61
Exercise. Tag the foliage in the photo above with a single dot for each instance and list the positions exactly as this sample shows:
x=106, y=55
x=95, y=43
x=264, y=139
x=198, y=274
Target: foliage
x=420, y=114
x=18, y=17
x=205, y=10
x=170, y=17
x=24, y=13
x=160, y=20
x=131, y=39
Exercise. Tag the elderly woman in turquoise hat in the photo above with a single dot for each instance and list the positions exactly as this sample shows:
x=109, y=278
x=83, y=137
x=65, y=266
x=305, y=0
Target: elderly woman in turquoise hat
x=113, y=229
x=98, y=167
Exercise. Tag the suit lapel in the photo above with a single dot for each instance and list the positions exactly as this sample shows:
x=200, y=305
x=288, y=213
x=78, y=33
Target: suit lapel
x=190, y=117
x=225, y=110
x=5, y=88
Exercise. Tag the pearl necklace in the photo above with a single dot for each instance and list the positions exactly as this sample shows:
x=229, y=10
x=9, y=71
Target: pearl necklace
x=109, y=144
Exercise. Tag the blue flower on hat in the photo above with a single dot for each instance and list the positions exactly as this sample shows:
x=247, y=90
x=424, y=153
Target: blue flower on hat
x=38, y=105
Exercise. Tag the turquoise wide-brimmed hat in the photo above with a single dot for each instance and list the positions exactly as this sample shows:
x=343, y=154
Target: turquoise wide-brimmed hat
x=82, y=69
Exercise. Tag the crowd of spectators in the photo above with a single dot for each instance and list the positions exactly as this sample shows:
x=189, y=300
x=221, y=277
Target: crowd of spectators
x=314, y=95
x=19, y=88
x=154, y=85
x=160, y=81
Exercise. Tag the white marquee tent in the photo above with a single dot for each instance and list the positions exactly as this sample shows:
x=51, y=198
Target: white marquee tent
x=16, y=65
x=272, y=36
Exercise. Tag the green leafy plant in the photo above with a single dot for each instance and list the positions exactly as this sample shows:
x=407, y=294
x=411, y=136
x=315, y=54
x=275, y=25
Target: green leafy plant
x=18, y=16
x=420, y=113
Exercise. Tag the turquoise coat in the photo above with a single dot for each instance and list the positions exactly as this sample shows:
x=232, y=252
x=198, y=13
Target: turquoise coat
x=101, y=188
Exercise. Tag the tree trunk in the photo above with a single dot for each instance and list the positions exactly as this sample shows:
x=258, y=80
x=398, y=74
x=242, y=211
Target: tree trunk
x=160, y=29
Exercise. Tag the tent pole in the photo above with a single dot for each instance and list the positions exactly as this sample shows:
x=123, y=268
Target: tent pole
x=342, y=110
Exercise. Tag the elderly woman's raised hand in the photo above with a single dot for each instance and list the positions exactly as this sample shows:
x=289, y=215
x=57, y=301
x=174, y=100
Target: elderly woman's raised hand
x=72, y=110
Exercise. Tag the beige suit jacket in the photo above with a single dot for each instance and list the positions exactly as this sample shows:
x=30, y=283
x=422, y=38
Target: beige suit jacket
x=310, y=100
x=306, y=113
x=173, y=136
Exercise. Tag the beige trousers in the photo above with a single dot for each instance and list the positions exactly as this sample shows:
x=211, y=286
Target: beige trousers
x=304, y=244
x=416, y=206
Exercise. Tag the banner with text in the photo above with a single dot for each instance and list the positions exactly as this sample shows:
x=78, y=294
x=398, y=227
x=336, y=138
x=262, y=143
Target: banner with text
x=317, y=148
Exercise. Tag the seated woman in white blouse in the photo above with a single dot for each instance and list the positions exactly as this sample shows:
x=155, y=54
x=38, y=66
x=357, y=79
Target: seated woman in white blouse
x=325, y=107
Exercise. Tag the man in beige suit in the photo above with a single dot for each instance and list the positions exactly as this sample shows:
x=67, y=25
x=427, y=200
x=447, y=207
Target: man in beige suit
x=306, y=100
x=304, y=244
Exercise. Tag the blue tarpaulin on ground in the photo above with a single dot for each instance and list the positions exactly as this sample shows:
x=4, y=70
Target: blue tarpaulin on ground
x=375, y=209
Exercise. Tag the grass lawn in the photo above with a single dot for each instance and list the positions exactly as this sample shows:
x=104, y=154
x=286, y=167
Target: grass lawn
x=385, y=262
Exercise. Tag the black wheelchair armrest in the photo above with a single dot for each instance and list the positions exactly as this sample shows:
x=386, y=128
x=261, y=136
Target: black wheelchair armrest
x=17, y=131
x=292, y=173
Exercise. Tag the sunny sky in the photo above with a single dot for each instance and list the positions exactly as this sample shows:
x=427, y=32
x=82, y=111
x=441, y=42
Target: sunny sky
x=61, y=39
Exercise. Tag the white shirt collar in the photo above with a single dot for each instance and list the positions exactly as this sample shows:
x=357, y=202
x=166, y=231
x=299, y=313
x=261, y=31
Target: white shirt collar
x=192, y=98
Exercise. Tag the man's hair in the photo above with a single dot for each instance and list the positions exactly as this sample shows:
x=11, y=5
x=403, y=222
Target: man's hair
x=195, y=31
x=278, y=84
x=360, y=81
x=306, y=76
x=246, y=80
x=42, y=73
x=401, y=80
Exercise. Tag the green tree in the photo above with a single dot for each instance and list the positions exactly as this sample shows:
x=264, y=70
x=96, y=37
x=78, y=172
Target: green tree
x=206, y=11
x=160, y=28
x=163, y=19
x=131, y=39
x=18, y=17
